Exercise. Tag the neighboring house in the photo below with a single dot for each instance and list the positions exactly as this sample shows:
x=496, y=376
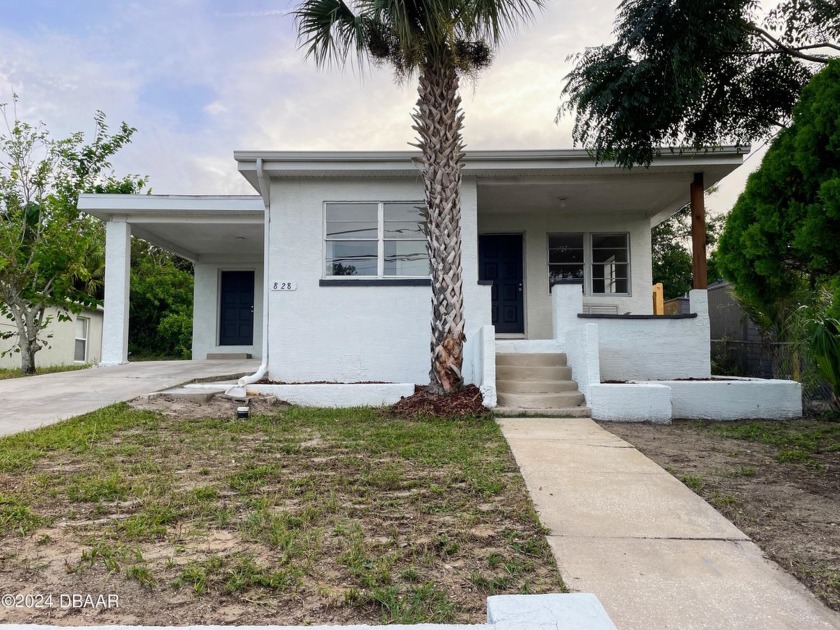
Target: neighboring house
x=76, y=341
x=337, y=288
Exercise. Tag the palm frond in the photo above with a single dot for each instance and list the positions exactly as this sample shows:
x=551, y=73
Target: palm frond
x=329, y=30
x=492, y=20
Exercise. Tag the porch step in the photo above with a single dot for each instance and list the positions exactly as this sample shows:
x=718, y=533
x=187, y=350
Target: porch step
x=533, y=373
x=527, y=387
x=568, y=412
x=537, y=384
x=531, y=359
x=232, y=356
x=541, y=400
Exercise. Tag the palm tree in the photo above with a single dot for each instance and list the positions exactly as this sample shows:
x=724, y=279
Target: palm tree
x=439, y=40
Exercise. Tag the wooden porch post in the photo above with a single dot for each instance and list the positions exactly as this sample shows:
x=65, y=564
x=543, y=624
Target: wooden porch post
x=698, y=232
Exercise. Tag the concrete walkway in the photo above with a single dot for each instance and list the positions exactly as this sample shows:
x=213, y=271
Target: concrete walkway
x=34, y=401
x=654, y=553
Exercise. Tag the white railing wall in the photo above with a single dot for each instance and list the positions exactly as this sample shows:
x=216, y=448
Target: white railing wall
x=639, y=348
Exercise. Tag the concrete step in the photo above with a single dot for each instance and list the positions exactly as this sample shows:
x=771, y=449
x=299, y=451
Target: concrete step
x=545, y=387
x=531, y=359
x=541, y=401
x=228, y=356
x=568, y=412
x=533, y=373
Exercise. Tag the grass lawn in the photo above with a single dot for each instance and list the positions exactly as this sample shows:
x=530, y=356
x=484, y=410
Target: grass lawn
x=16, y=373
x=294, y=517
x=779, y=482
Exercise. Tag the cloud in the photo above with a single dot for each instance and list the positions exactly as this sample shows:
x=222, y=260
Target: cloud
x=199, y=81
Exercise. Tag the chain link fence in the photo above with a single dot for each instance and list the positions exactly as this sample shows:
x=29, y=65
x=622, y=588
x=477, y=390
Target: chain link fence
x=772, y=359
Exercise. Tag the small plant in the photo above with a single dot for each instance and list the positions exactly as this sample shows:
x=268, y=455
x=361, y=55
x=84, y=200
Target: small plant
x=695, y=482
x=141, y=574
x=16, y=516
x=825, y=350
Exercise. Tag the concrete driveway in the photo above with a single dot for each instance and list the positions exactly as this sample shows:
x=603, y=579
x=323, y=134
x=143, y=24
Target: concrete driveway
x=35, y=401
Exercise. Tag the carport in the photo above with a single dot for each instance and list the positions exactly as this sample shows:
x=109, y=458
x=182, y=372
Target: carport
x=221, y=235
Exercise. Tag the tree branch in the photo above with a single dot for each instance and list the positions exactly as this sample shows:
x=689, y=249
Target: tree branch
x=792, y=51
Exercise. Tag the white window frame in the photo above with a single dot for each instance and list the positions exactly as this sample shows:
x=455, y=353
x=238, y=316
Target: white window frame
x=380, y=241
x=86, y=338
x=588, y=261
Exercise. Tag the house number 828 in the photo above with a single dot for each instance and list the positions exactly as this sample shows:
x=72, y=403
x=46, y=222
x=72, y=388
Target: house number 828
x=283, y=286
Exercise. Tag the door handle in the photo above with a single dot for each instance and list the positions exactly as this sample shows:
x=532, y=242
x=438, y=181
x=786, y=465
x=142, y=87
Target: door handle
x=520, y=287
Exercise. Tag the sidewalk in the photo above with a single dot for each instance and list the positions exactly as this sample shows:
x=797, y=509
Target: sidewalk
x=654, y=553
x=34, y=401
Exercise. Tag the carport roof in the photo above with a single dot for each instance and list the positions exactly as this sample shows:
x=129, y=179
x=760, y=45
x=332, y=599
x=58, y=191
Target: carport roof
x=195, y=227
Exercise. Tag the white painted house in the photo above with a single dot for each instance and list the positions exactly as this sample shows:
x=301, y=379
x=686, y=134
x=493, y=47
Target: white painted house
x=323, y=273
x=74, y=341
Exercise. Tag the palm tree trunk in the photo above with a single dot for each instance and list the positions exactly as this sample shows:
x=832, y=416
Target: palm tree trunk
x=438, y=121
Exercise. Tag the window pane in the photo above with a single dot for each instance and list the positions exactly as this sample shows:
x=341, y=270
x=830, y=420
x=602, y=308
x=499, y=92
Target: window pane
x=609, y=271
x=565, y=255
x=609, y=240
x=567, y=241
x=349, y=258
x=609, y=255
x=564, y=272
x=81, y=327
x=403, y=230
x=604, y=287
x=406, y=258
x=352, y=220
x=79, y=351
x=412, y=212
x=404, y=221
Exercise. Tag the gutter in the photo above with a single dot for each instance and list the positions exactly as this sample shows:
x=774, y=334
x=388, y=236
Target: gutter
x=265, y=192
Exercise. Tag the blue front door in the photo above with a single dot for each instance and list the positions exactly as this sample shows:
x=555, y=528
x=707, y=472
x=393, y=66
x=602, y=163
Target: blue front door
x=236, y=325
x=500, y=262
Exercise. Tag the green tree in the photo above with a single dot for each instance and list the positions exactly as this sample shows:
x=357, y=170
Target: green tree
x=671, y=257
x=783, y=231
x=440, y=42
x=697, y=74
x=161, y=303
x=50, y=253
x=780, y=246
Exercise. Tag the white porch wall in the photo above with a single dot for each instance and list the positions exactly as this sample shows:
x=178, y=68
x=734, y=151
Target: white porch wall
x=353, y=333
x=537, y=226
x=206, y=309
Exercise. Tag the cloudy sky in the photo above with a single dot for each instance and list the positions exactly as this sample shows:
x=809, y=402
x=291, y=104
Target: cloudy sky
x=202, y=78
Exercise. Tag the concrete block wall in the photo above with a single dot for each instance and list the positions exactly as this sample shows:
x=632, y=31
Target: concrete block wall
x=640, y=349
x=353, y=333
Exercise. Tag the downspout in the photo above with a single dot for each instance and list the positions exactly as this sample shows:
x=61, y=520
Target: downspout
x=265, y=192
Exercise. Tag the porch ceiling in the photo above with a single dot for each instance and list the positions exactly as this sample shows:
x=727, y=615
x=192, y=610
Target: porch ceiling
x=198, y=228
x=655, y=195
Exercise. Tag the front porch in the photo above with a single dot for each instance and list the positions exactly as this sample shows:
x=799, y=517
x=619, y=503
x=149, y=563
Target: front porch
x=635, y=368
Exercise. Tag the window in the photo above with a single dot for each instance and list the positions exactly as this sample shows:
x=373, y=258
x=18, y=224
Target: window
x=80, y=350
x=600, y=261
x=375, y=240
x=610, y=263
x=565, y=257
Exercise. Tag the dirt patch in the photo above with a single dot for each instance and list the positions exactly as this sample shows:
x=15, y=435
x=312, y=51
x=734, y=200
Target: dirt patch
x=777, y=482
x=218, y=406
x=465, y=403
x=294, y=516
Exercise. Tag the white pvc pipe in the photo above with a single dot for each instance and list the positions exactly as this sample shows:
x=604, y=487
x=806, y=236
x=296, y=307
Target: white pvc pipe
x=265, y=191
